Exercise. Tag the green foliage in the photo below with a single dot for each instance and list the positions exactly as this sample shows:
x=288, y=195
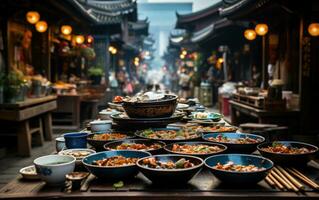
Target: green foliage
x=95, y=71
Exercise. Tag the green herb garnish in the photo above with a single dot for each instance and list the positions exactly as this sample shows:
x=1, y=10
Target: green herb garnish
x=119, y=184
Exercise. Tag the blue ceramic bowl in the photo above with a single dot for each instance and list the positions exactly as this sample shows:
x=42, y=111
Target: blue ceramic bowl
x=236, y=148
x=169, y=149
x=241, y=159
x=289, y=159
x=171, y=176
x=75, y=140
x=113, y=173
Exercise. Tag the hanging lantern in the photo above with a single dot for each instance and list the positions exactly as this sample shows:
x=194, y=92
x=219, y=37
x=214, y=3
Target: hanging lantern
x=182, y=56
x=184, y=52
x=90, y=39
x=114, y=51
x=66, y=29
x=313, y=29
x=250, y=34
x=220, y=60
x=79, y=39
x=41, y=26
x=33, y=17
x=261, y=29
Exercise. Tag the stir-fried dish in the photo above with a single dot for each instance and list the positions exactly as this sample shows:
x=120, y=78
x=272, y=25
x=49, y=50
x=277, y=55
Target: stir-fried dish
x=115, y=161
x=109, y=136
x=281, y=148
x=196, y=148
x=218, y=129
x=170, y=134
x=137, y=146
x=78, y=153
x=231, y=166
x=156, y=164
x=224, y=139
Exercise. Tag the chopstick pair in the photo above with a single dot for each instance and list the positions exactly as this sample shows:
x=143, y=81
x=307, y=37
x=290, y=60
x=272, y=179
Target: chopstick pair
x=304, y=178
x=280, y=178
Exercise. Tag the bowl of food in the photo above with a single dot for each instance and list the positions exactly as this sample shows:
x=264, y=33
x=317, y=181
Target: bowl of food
x=169, y=135
x=98, y=140
x=106, y=114
x=200, y=149
x=114, y=165
x=143, y=107
x=236, y=142
x=29, y=172
x=79, y=154
x=151, y=146
x=288, y=152
x=218, y=129
x=75, y=140
x=206, y=116
x=239, y=168
x=53, y=168
x=100, y=125
x=170, y=168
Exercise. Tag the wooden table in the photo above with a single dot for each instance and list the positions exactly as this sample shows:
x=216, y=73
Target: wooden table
x=23, y=112
x=203, y=186
x=289, y=118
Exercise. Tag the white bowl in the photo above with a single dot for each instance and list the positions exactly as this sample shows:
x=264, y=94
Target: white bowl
x=53, y=168
x=101, y=125
x=59, y=143
x=29, y=172
x=77, y=154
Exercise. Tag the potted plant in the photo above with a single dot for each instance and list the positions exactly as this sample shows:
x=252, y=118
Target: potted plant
x=95, y=74
x=13, y=83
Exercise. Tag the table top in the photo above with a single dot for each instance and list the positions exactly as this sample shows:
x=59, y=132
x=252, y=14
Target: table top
x=261, y=111
x=203, y=186
x=28, y=102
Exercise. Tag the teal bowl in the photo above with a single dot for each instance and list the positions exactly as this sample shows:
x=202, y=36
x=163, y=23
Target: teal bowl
x=232, y=177
x=116, y=172
x=233, y=147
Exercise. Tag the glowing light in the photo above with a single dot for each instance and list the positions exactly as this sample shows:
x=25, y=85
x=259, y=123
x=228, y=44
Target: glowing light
x=41, y=26
x=184, y=52
x=182, y=56
x=33, y=17
x=220, y=60
x=250, y=34
x=90, y=39
x=66, y=29
x=261, y=29
x=79, y=39
x=313, y=29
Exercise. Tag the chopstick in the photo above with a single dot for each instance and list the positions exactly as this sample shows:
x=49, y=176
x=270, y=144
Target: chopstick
x=281, y=180
x=292, y=179
x=270, y=182
x=279, y=185
x=285, y=179
x=304, y=178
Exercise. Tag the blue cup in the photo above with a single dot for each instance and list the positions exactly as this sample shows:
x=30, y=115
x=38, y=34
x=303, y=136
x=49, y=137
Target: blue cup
x=75, y=140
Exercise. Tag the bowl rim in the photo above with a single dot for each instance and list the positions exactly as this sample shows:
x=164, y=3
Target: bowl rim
x=196, y=142
x=100, y=122
x=134, y=139
x=228, y=143
x=174, y=98
x=171, y=170
x=90, y=136
x=287, y=154
x=138, y=134
x=238, y=154
x=219, y=116
x=55, y=165
x=21, y=171
x=235, y=128
x=112, y=167
x=77, y=149
x=71, y=134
